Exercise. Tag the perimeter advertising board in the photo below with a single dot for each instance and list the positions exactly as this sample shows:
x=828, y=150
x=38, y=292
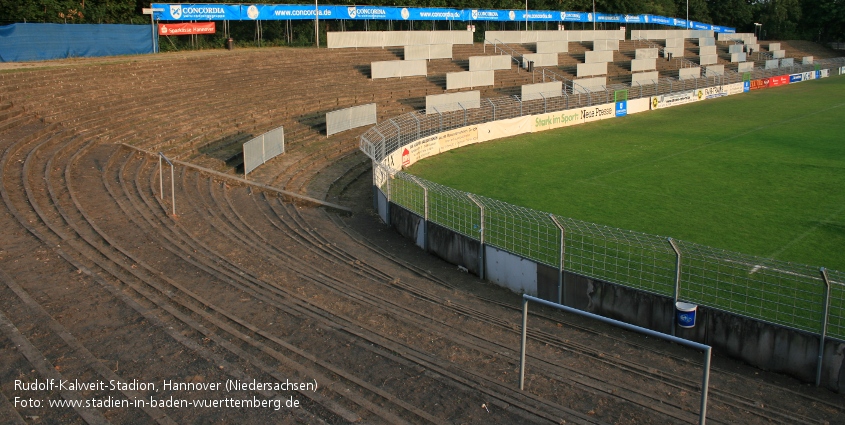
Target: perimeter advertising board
x=187, y=29
x=674, y=99
x=433, y=145
x=759, y=84
x=780, y=80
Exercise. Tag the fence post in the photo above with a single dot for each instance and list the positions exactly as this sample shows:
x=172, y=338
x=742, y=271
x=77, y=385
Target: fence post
x=520, y=103
x=425, y=211
x=172, y=182
x=522, y=343
x=414, y=115
x=823, y=272
x=398, y=133
x=481, y=266
x=562, y=249
x=441, y=118
x=545, y=107
x=465, y=113
x=383, y=142
x=494, y=108
x=677, y=279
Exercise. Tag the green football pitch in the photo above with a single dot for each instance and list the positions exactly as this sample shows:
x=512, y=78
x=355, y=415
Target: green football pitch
x=761, y=173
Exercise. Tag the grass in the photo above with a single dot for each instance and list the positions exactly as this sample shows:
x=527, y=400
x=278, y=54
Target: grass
x=762, y=173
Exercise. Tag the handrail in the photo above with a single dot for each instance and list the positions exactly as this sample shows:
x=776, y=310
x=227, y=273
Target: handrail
x=495, y=47
x=172, y=182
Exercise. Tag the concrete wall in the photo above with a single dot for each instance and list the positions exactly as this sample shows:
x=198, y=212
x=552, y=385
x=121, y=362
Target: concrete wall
x=643, y=78
x=646, y=53
x=584, y=85
x=708, y=59
x=347, y=39
x=541, y=59
x=510, y=271
x=526, y=37
x=599, y=56
x=807, y=60
x=487, y=63
x=689, y=73
x=643, y=65
x=714, y=70
x=550, y=89
x=787, y=62
x=605, y=45
x=738, y=57
x=745, y=67
x=459, y=80
x=675, y=42
x=677, y=52
x=707, y=50
x=774, y=46
x=428, y=51
x=394, y=69
x=706, y=41
x=772, y=64
x=736, y=48
x=449, y=101
x=559, y=46
x=667, y=34
x=590, y=69
x=752, y=47
x=778, y=54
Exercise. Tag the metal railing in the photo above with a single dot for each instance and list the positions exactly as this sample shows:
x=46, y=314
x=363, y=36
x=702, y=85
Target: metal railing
x=500, y=46
x=161, y=182
x=777, y=292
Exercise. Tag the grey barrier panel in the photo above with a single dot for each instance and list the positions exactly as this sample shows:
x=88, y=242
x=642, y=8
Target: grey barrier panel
x=644, y=78
x=263, y=148
x=487, y=63
x=533, y=91
x=643, y=65
x=540, y=59
x=807, y=60
x=599, y=56
x=774, y=46
x=677, y=52
x=675, y=42
x=646, y=53
x=391, y=69
x=787, y=62
x=525, y=37
x=511, y=37
x=428, y=51
x=706, y=41
x=707, y=50
x=450, y=101
x=708, y=59
x=689, y=73
x=772, y=64
x=752, y=47
x=605, y=45
x=589, y=69
x=738, y=57
x=747, y=38
x=736, y=48
x=459, y=80
x=779, y=54
x=558, y=46
x=745, y=67
x=586, y=85
x=356, y=39
x=345, y=119
x=714, y=70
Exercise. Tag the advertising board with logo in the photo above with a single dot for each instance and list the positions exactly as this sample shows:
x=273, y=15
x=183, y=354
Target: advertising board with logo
x=779, y=80
x=622, y=108
x=758, y=84
x=842, y=70
x=432, y=145
x=187, y=29
x=736, y=88
x=674, y=99
x=712, y=92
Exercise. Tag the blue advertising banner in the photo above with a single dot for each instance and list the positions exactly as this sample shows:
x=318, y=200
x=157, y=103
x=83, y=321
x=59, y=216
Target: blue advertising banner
x=265, y=12
x=795, y=78
x=746, y=86
x=622, y=108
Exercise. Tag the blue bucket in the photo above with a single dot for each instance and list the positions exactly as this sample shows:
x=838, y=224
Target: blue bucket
x=685, y=314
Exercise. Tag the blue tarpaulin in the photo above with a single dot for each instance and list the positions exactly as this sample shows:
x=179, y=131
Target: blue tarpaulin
x=34, y=42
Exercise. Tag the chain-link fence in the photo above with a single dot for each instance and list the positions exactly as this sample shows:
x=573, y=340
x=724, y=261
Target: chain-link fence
x=791, y=295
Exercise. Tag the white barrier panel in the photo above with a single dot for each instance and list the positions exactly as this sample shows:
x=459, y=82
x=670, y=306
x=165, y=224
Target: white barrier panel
x=675, y=42
x=689, y=73
x=644, y=78
x=772, y=63
x=787, y=62
x=526, y=37
x=706, y=41
x=347, y=39
x=450, y=101
x=541, y=90
x=676, y=52
x=510, y=271
x=738, y=57
x=646, y=53
x=605, y=45
x=779, y=54
x=736, y=48
x=638, y=105
x=428, y=51
x=263, y=148
x=707, y=50
x=540, y=59
x=585, y=85
x=752, y=47
x=673, y=99
x=643, y=65
x=842, y=70
x=558, y=46
x=714, y=70
x=745, y=67
x=708, y=59
x=345, y=119
x=459, y=80
x=597, y=57
x=589, y=69
x=487, y=63
x=807, y=60
x=392, y=69
x=774, y=46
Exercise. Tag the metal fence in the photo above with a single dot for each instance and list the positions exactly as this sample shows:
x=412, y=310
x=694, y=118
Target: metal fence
x=791, y=295
x=263, y=148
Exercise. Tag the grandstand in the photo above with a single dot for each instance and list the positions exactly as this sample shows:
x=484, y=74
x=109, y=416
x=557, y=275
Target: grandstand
x=253, y=282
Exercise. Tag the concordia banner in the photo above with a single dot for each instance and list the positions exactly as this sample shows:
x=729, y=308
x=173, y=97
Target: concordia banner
x=187, y=29
x=241, y=12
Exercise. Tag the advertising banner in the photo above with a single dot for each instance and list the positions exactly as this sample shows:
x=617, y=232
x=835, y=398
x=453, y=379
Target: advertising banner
x=736, y=88
x=712, y=92
x=823, y=73
x=795, y=78
x=503, y=128
x=187, y=29
x=746, y=86
x=759, y=84
x=779, y=80
x=435, y=144
x=674, y=99
x=842, y=70
x=288, y=12
x=197, y=12
x=621, y=108
x=560, y=119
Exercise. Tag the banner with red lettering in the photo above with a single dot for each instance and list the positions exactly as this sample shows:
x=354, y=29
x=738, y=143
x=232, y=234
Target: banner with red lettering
x=187, y=29
x=759, y=84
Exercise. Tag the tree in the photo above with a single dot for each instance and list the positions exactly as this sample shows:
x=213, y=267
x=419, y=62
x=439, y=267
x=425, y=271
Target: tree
x=732, y=13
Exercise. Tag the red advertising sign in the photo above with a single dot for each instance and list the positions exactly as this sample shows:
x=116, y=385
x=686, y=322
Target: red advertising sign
x=780, y=80
x=187, y=29
x=759, y=84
